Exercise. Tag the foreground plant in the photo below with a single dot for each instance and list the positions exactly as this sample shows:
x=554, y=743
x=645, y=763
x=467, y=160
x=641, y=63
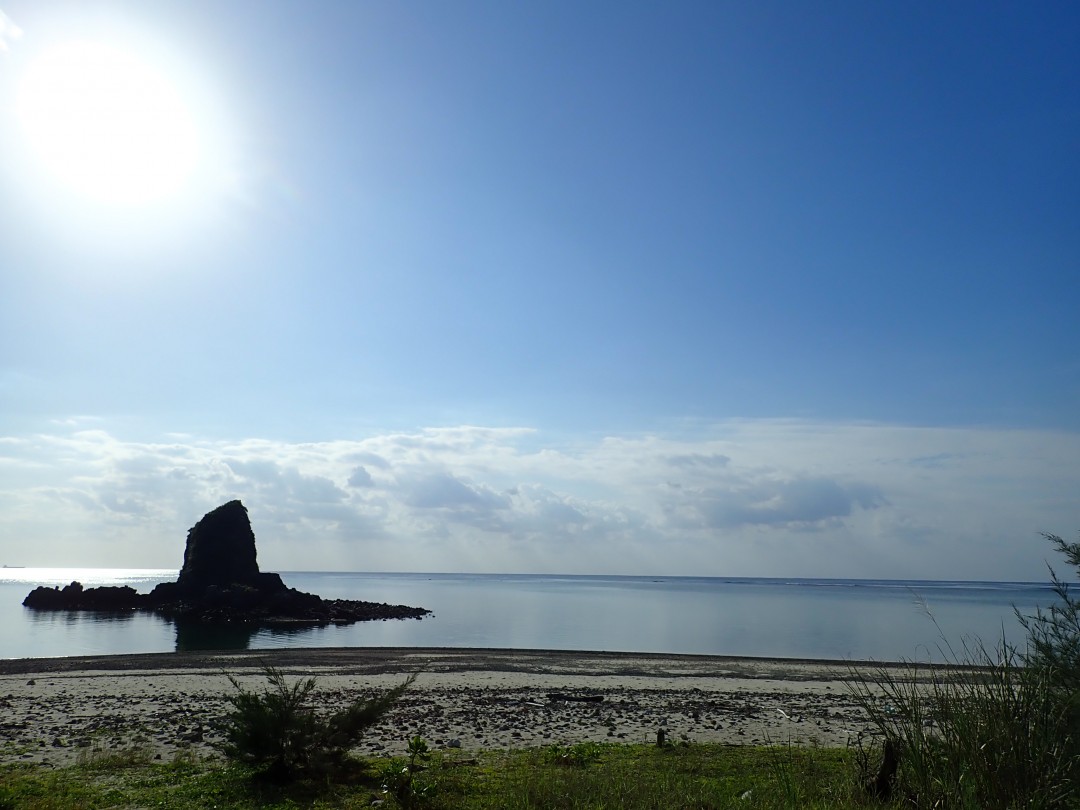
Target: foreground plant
x=407, y=782
x=988, y=729
x=278, y=733
x=980, y=733
x=1054, y=639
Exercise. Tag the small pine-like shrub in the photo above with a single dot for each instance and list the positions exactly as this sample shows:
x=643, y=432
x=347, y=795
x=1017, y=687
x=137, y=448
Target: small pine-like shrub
x=279, y=734
x=1054, y=637
x=990, y=728
x=1053, y=658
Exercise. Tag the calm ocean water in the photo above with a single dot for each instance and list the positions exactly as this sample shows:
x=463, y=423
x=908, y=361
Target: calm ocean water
x=790, y=618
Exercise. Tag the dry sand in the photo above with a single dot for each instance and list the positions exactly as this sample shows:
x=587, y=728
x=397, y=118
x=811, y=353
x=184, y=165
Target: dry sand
x=52, y=709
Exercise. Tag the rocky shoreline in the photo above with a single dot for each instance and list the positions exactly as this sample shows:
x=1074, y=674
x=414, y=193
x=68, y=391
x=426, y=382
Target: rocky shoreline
x=220, y=583
x=232, y=605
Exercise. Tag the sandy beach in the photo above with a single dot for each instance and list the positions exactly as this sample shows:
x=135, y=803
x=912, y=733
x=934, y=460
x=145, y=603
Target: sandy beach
x=55, y=708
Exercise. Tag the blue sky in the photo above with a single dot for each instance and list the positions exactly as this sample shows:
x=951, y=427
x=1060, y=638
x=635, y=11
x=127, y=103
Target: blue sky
x=694, y=288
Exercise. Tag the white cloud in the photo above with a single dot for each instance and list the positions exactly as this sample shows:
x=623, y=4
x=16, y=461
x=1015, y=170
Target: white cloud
x=753, y=498
x=804, y=502
x=361, y=478
x=699, y=460
x=445, y=491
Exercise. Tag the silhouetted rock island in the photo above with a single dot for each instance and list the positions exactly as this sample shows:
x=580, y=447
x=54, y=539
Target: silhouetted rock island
x=221, y=582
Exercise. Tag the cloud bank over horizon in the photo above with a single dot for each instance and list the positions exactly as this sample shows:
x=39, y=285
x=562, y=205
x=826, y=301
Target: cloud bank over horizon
x=784, y=498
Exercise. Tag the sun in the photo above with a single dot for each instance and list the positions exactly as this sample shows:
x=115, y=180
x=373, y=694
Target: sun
x=107, y=124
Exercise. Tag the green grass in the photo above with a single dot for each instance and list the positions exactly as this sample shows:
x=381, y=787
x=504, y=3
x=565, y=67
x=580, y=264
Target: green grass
x=697, y=776
x=590, y=775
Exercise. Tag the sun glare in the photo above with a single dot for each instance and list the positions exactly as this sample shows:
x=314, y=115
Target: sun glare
x=107, y=124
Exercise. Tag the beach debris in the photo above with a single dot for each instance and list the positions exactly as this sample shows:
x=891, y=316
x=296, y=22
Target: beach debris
x=881, y=786
x=575, y=698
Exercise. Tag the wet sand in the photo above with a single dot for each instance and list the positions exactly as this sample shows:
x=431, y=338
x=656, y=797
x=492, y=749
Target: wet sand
x=55, y=708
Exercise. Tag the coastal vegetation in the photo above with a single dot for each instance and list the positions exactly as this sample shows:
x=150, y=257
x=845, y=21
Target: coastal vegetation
x=998, y=728
x=280, y=734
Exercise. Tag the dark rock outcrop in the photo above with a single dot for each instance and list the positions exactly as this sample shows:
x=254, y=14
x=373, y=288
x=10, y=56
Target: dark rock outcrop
x=220, y=550
x=221, y=574
x=75, y=597
x=219, y=583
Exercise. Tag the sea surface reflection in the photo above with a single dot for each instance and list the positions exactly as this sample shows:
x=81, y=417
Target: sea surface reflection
x=837, y=619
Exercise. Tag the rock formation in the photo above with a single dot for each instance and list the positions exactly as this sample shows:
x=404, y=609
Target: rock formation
x=75, y=597
x=220, y=550
x=221, y=572
x=220, y=582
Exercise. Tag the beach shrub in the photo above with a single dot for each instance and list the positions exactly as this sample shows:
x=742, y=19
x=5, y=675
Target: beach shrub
x=1054, y=639
x=279, y=734
x=981, y=732
x=987, y=728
